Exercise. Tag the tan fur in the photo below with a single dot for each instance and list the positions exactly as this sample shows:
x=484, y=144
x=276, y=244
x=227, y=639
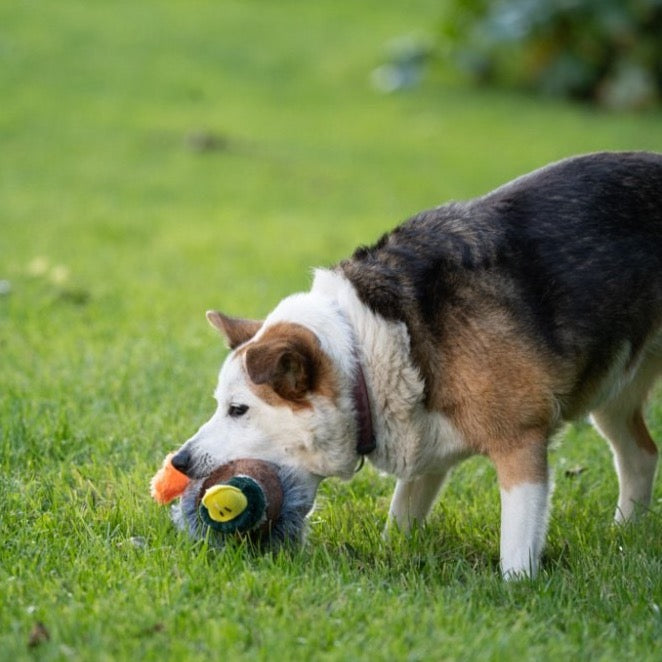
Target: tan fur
x=526, y=463
x=498, y=389
x=493, y=385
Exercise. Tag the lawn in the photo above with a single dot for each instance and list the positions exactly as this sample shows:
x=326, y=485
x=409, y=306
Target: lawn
x=162, y=158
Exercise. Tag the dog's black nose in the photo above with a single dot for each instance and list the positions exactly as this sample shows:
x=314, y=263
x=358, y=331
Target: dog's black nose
x=181, y=461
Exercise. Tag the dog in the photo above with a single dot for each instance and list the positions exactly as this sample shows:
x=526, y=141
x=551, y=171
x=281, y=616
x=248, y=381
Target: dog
x=476, y=327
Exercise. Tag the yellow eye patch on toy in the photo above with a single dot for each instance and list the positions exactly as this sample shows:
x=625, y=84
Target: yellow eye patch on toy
x=238, y=504
x=224, y=502
x=243, y=496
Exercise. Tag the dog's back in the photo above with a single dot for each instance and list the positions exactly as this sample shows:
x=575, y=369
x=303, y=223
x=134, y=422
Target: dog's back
x=571, y=254
x=585, y=249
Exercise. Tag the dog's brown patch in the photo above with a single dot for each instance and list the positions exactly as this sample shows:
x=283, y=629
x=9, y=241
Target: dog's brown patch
x=494, y=386
x=497, y=389
x=286, y=366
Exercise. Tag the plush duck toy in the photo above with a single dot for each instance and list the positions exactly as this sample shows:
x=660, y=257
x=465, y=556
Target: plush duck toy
x=243, y=496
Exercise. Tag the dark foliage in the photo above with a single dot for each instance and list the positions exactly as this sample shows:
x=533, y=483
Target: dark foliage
x=607, y=51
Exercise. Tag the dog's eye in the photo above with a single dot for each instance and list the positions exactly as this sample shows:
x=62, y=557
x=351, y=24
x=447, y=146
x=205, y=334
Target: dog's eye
x=237, y=410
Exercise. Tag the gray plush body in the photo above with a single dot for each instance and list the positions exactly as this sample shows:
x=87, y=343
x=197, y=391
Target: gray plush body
x=288, y=528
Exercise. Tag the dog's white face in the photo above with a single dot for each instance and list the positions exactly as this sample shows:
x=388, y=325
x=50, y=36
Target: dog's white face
x=281, y=398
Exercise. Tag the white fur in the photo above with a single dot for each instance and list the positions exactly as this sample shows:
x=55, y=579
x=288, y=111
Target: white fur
x=634, y=465
x=317, y=441
x=524, y=512
x=412, y=499
x=614, y=419
x=411, y=440
x=271, y=433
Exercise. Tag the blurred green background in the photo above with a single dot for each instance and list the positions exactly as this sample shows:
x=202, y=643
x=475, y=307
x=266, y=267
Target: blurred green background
x=161, y=158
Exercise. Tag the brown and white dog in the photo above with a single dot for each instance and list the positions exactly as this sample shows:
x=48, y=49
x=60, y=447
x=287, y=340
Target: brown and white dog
x=473, y=328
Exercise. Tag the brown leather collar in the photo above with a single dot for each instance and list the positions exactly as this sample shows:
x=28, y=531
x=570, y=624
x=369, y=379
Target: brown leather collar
x=366, y=442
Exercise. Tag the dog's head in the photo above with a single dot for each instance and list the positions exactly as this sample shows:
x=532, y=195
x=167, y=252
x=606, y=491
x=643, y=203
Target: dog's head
x=284, y=395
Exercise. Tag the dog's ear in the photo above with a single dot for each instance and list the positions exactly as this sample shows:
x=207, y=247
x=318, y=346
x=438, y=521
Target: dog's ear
x=236, y=331
x=289, y=365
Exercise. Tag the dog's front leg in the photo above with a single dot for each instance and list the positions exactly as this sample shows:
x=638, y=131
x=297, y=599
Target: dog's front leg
x=413, y=499
x=524, y=486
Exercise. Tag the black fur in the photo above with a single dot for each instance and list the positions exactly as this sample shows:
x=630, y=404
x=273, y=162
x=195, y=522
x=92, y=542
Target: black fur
x=572, y=252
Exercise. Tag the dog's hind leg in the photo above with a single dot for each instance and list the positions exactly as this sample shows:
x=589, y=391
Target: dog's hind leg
x=621, y=422
x=413, y=499
x=525, y=491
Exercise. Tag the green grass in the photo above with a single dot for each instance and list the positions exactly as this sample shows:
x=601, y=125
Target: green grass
x=115, y=236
